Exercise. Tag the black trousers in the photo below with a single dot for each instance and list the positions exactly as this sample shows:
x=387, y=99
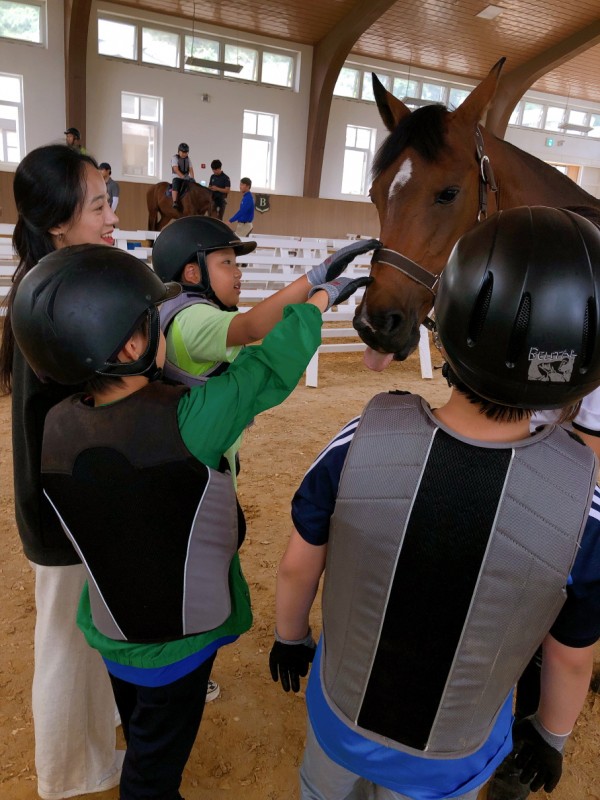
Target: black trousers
x=160, y=724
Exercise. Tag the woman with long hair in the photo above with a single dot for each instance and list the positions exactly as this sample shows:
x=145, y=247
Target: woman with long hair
x=61, y=200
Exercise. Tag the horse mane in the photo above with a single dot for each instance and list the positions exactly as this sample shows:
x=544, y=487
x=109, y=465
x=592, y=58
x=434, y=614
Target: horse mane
x=423, y=130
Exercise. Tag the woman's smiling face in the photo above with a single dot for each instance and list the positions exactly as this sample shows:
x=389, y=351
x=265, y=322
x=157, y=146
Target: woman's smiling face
x=94, y=223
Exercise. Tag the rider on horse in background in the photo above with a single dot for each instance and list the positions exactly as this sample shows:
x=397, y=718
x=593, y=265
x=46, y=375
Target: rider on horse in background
x=182, y=169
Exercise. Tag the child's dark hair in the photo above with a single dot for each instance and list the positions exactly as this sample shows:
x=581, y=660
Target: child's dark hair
x=100, y=383
x=215, y=164
x=247, y=181
x=49, y=189
x=498, y=412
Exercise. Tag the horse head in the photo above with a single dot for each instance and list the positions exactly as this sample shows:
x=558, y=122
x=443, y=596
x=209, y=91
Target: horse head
x=427, y=187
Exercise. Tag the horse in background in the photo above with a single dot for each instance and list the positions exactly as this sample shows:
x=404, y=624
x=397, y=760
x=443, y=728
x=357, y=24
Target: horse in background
x=197, y=200
x=434, y=177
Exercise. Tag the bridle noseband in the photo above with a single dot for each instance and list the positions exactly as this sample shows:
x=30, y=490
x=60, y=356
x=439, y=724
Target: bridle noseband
x=413, y=270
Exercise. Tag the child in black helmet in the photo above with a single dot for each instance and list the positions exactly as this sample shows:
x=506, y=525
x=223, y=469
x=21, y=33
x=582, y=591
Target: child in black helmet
x=452, y=537
x=183, y=170
x=204, y=330
x=134, y=470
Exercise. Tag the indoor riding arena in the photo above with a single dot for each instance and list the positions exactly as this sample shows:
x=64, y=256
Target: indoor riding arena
x=403, y=121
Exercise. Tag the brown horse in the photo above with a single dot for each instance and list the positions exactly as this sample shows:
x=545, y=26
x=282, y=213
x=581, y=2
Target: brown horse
x=435, y=176
x=196, y=200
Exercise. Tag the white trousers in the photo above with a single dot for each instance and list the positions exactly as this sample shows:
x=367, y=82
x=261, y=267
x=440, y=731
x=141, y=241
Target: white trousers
x=243, y=228
x=72, y=699
x=323, y=779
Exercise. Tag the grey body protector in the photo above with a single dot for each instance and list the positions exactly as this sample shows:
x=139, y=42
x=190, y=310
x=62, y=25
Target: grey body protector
x=168, y=311
x=155, y=528
x=446, y=567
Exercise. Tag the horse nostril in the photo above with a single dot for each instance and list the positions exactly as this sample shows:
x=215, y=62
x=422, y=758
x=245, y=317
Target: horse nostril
x=392, y=322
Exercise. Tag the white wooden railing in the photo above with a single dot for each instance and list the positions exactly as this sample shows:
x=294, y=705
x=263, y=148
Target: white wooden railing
x=276, y=262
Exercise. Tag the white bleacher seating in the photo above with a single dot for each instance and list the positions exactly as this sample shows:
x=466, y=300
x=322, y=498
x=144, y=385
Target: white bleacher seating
x=276, y=262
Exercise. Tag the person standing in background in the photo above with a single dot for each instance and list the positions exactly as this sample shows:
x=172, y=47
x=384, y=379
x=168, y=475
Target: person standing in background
x=245, y=214
x=112, y=187
x=73, y=139
x=221, y=185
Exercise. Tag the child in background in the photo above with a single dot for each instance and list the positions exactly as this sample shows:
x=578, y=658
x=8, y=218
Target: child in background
x=244, y=216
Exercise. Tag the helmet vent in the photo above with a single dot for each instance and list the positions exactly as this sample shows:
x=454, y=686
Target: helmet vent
x=519, y=331
x=480, y=310
x=590, y=326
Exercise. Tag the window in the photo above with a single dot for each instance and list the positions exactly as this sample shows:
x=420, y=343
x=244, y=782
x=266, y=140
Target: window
x=554, y=117
x=403, y=87
x=278, y=69
x=167, y=48
x=11, y=119
x=532, y=115
x=141, y=124
x=367, y=84
x=25, y=22
x=433, y=92
x=595, y=123
x=457, y=96
x=259, y=148
x=245, y=56
x=117, y=39
x=360, y=145
x=160, y=47
x=347, y=83
x=199, y=47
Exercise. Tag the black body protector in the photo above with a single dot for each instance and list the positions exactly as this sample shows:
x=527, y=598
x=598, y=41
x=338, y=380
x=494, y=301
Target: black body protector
x=155, y=528
x=447, y=565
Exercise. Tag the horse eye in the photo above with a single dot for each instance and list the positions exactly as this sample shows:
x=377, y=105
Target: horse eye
x=447, y=195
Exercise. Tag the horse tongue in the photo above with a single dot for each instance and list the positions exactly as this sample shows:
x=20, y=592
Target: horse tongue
x=377, y=361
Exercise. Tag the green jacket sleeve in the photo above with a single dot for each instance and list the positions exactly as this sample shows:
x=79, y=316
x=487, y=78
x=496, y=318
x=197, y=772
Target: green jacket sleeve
x=211, y=417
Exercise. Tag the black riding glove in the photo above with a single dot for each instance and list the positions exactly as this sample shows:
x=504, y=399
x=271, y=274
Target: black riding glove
x=335, y=264
x=340, y=289
x=289, y=661
x=538, y=754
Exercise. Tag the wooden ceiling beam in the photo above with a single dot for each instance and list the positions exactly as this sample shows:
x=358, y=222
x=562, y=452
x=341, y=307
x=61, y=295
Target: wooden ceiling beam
x=329, y=55
x=514, y=84
x=77, y=20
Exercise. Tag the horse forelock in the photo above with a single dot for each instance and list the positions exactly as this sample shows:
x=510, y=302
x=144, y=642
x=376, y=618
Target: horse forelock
x=423, y=130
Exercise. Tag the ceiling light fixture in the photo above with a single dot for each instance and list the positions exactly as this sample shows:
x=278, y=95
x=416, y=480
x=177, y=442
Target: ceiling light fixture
x=490, y=12
x=416, y=101
x=571, y=126
x=206, y=63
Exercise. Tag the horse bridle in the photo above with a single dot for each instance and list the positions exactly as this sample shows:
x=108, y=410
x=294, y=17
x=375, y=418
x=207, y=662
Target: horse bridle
x=413, y=270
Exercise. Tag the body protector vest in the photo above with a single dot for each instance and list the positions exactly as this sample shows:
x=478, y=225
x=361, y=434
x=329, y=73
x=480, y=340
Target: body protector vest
x=447, y=565
x=155, y=528
x=168, y=312
x=183, y=164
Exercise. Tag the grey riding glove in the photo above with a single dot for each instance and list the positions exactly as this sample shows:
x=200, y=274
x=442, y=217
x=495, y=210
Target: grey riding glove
x=335, y=264
x=340, y=289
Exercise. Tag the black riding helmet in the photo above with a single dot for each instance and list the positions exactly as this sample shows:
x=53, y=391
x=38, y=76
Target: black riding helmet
x=77, y=307
x=187, y=240
x=518, y=308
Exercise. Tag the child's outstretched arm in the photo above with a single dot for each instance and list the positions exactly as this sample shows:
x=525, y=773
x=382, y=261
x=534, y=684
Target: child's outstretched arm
x=256, y=323
x=297, y=582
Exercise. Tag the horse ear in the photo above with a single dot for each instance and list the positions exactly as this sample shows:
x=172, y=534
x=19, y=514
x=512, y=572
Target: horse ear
x=390, y=108
x=477, y=103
